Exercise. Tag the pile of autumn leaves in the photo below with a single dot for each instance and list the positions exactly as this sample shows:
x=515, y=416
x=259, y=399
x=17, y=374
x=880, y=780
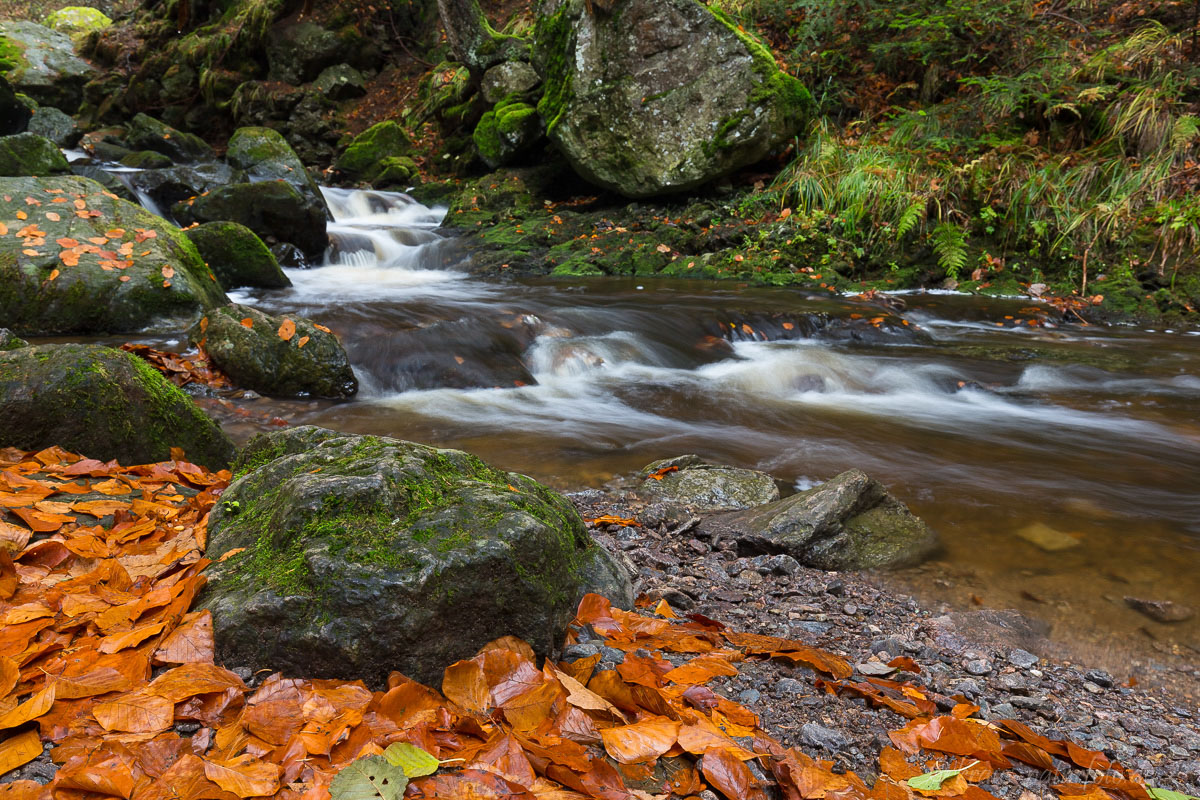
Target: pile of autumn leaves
x=102, y=656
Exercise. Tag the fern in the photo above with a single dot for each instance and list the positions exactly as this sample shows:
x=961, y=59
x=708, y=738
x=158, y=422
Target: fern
x=910, y=218
x=950, y=243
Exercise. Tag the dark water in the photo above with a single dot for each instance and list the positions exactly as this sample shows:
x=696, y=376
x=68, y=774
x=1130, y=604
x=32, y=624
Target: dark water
x=984, y=424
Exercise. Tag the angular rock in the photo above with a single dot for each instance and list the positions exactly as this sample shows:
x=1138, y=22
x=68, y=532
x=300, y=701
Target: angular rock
x=102, y=403
x=30, y=154
x=510, y=78
x=275, y=210
x=309, y=363
x=506, y=133
x=147, y=133
x=849, y=522
x=660, y=96
x=10, y=341
x=298, y=53
x=161, y=282
x=364, y=155
x=55, y=125
x=14, y=115
x=237, y=256
x=166, y=187
x=703, y=486
x=340, y=82
x=264, y=155
x=366, y=555
x=47, y=68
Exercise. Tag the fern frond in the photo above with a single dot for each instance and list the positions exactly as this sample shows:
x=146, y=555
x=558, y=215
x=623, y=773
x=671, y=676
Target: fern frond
x=950, y=243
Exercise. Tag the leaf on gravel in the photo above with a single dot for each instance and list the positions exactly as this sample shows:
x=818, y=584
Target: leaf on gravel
x=25, y=747
x=413, y=760
x=932, y=781
x=245, y=776
x=136, y=712
x=641, y=741
x=370, y=778
x=31, y=709
x=730, y=776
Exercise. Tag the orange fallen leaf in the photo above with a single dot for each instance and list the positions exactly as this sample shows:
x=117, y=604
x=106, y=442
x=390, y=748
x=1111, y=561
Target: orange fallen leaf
x=287, y=330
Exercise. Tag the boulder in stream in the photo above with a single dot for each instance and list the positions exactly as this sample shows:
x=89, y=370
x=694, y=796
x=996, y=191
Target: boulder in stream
x=237, y=256
x=84, y=261
x=45, y=66
x=277, y=356
x=30, y=154
x=850, y=522
x=147, y=133
x=275, y=210
x=57, y=126
x=702, y=486
x=363, y=158
x=264, y=155
x=365, y=555
x=660, y=96
x=103, y=403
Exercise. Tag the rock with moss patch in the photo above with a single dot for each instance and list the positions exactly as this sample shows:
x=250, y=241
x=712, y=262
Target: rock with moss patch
x=297, y=53
x=42, y=64
x=148, y=275
x=264, y=155
x=365, y=555
x=507, y=133
x=237, y=256
x=660, y=96
x=14, y=115
x=10, y=341
x=395, y=172
x=510, y=79
x=362, y=159
x=704, y=486
x=30, y=154
x=146, y=159
x=308, y=363
x=850, y=522
x=73, y=20
x=341, y=82
x=275, y=210
x=147, y=133
x=445, y=94
x=103, y=403
x=55, y=125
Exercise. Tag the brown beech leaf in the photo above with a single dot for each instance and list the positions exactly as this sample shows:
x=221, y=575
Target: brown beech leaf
x=136, y=712
x=287, y=330
x=19, y=750
x=37, y=705
x=90, y=684
x=191, y=642
x=641, y=741
x=190, y=680
x=245, y=776
x=730, y=776
x=464, y=683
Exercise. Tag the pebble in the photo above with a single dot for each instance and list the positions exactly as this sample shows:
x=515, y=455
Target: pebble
x=789, y=686
x=979, y=666
x=1022, y=658
x=749, y=696
x=815, y=735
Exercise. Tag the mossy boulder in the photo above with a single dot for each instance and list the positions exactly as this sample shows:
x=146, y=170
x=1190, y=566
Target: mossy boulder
x=146, y=159
x=55, y=125
x=507, y=132
x=14, y=115
x=164, y=187
x=55, y=278
x=510, y=79
x=264, y=155
x=147, y=133
x=297, y=53
x=703, y=486
x=340, y=82
x=309, y=363
x=10, y=341
x=850, y=522
x=237, y=256
x=73, y=20
x=445, y=94
x=365, y=555
x=660, y=96
x=30, y=154
x=395, y=171
x=363, y=157
x=41, y=63
x=275, y=210
x=103, y=403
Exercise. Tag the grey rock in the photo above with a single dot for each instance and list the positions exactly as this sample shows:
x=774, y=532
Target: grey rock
x=1100, y=678
x=298, y=53
x=341, y=82
x=510, y=78
x=790, y=686
x=1022, y=658
x=815, y=735
x=161, y=189
x=54, y=125
x=979, y=667
x=47, y=69
x=1003, y=711
x=749, y=696
x=367, y=554
x=1161, y=610
x=608, y=574
x=703, y=486
x=577, y=651
x=28, y=154
x=847, y=523
x=275, y=210
x=10, y=341
x=147, y=133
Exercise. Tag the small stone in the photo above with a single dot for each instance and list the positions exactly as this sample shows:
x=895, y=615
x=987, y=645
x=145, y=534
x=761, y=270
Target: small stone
x=1099, y=677
x=789, y=686
x=979, y=666
x=577, y=651
x=749, y=696
x=849, y=609
x=836, y=588
x=1022, y=658
x=1003, y=710
x=874, y=668
x=1046, y=538
x=815, y=735
x=245, y=673
x=967, y=688
x=186, y=728
x=1161, y=610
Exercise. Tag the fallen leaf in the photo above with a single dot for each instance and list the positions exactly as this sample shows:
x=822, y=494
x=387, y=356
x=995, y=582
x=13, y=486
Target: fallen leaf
x=287, y=330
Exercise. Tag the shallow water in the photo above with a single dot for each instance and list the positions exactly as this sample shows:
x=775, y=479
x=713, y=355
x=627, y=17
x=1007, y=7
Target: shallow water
x=984, y=423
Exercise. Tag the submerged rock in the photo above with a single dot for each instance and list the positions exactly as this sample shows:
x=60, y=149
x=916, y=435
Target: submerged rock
x=660, y=96
x=237, y=256
x=275, y=210
x=366, y=555
x=56, y=278
x=30, y=154
x=309, y=362
x=103, y=403
x=849, y=522
x=45, y=65
x=707, y=487
x=1161, y=610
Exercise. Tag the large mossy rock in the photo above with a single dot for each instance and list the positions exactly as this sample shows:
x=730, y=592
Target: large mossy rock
x=147, y=133
x=55, y=278
x=44, y=64
x=310, y=362
x=57, y=126
x=507, y=132
x=237, y=256
x=275, y=210
x=703, y=486
x=365, y=555
x=660, y=96
x=363, y=158
x=73, y=20
x=30, y=154
x=297, y=53
x=264, y=155
x=103, y=403
x=850, y=522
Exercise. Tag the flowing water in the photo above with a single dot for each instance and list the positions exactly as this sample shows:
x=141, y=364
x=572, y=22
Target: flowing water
x=985, y=424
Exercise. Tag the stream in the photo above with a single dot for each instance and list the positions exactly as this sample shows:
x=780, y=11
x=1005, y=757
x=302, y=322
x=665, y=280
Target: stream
x=1009, y=434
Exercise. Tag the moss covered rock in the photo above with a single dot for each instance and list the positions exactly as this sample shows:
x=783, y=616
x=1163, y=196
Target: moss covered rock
x=42, y=63
x=56, y=278
x=275, y=210
x=340, y=82
x=30, y=154
x=362, y=159
x=147, y=133
x=264, y=155
x=10, y=341
x=703, y=486
x=103, y=403
x=237, y=256
x=365, y=555
x=146, y=159
x=850, y=522
x=512, y=78
x=506, y=133
x=77, y=19
x=55, y=125
x=660, y=96
x=297, y=53
x=395, y=172
x=309, y=363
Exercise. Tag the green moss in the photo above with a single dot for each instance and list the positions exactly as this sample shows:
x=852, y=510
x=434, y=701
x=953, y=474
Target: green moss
x=384, y=140
x=12, y=55
x=554, y=40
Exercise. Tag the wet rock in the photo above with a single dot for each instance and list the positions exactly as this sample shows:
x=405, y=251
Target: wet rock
x=828, y=739
x=364, y=157
x=146, y=159
x=275, y=210
x=309, y=363
x=703, y=486
x=104, y=291
x=366, y=555
x=264, y=155
x=503, y=81
x=237, y=256
x=341, y=82
x=14, y=115
x=102, y=403
x=166, y=187
x=147, y=133
x=1046, y=538
x=30, y=154
x=46, y=67
x=850, y=522
x=1022, y=658
x=54, y=125
x=609, y=575
x=662, y=97
x=1161, y=610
